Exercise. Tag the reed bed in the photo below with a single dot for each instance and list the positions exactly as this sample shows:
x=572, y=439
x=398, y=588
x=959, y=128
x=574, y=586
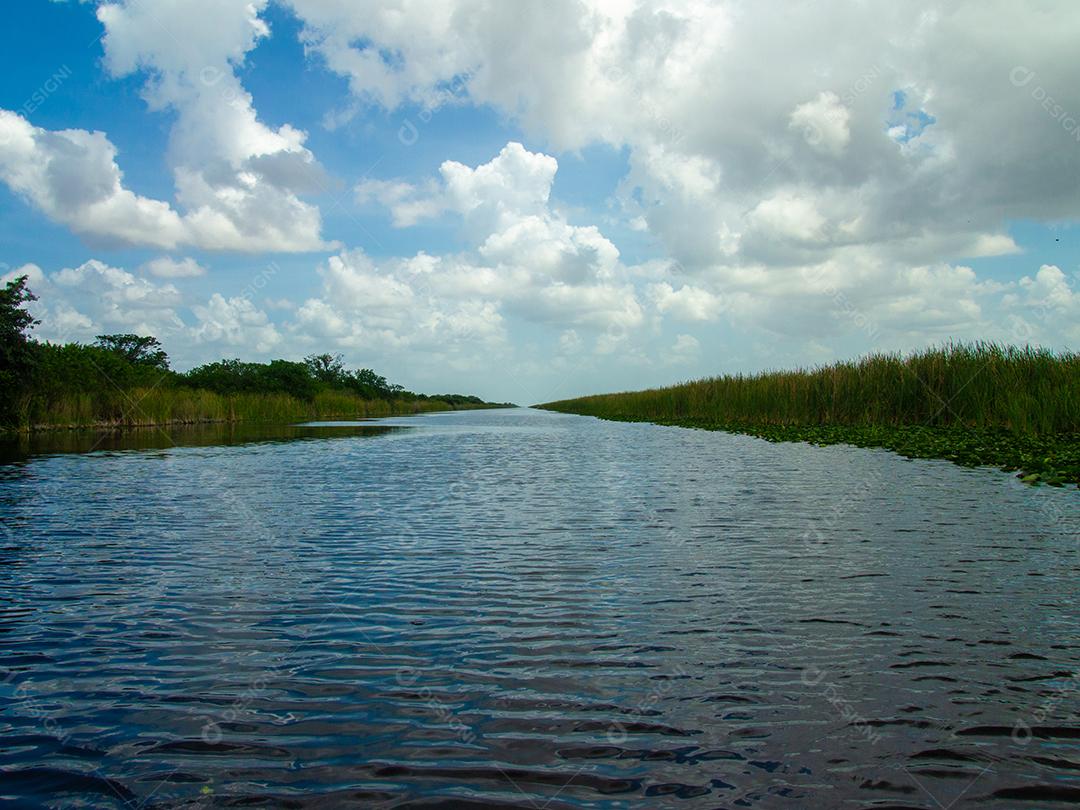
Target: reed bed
x=178, y=405
x=980, y=402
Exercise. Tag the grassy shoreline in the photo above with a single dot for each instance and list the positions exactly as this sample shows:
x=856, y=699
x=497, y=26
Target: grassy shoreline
x=975, y=405
x=124, y=381
x=162, y=407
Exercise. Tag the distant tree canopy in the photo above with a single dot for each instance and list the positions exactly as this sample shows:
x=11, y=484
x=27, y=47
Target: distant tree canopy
x=137, y=349
x=327, y=368
x=329, y=372
x=238, y=377
x=33, y=371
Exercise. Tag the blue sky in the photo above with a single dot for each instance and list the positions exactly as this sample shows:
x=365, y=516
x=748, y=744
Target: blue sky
x=585, y=200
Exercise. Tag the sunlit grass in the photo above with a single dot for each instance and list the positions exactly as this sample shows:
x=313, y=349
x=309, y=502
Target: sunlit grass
x=973, y=401
x=180, y=405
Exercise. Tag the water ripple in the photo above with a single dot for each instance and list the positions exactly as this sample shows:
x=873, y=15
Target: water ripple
x=518, y=609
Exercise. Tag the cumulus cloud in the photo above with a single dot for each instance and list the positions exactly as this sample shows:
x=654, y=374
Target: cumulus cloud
x=237, y=180
x=1045, y=307
x=569, y=342
x=757, y=148
x=1050, y=288
x=687, y=303
x=379, y=307
x=232, y=322
x=168, y=267
x=79, y=303
x=72, y=177
x=514, y=185
x=787, y=216
x=527, y=258
x=685, y=349
x=823, y=123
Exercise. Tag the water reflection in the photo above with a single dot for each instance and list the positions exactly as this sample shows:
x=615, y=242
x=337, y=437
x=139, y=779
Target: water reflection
x=21, y=446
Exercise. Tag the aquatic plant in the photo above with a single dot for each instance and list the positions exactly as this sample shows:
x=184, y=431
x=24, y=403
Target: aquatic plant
x=973, y=403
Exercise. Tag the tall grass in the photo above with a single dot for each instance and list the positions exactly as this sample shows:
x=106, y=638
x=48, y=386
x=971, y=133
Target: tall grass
x=977, y=385
x=180, y=405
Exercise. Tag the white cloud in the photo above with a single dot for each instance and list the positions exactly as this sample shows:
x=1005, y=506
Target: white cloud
x=943, y=298
x=757, y=146
x=238, y=178
x=79, y=303
x=993, y=244
x=353, y=282
x=168, y=267
x=787, y=216
x=233, y=322
x=406, y=206
x=1045, y=308
x=823, y=123
x=364, y=305
x=1051, y=288
x=687, y=303
x=569, y=342
x=527, y=258
x=238, y=181
x=35, y=276
x=513, y=185
x=685, y=349
x=72, y=177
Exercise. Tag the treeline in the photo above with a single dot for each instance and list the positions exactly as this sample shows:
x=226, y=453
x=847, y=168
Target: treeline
x=126, y=379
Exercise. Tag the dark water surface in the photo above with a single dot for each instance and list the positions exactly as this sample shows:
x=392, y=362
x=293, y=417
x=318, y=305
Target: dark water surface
x=514, y=608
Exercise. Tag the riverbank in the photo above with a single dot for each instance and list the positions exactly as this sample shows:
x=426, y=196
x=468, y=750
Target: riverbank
x=171, y=406
x=125, y=381
x=973, y=404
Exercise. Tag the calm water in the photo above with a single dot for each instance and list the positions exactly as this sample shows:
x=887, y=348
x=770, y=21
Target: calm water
x=513, y=608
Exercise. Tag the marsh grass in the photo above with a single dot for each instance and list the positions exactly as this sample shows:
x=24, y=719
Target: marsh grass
x=166, y=405
x=979, y=403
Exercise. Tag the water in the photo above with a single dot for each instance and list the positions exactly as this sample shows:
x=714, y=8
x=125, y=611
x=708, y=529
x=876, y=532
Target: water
x=514, y=608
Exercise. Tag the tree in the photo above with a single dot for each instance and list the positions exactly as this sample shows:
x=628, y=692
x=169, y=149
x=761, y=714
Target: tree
x=366, y=376
x=136, y=349
x=17, y=352
x=327, y=368
x=224, y=377
x=14, y=320
x=287, y=377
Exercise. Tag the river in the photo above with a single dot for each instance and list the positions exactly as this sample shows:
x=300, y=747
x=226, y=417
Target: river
x=525, y=609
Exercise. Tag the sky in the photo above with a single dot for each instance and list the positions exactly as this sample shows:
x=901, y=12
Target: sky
x=536, y=200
